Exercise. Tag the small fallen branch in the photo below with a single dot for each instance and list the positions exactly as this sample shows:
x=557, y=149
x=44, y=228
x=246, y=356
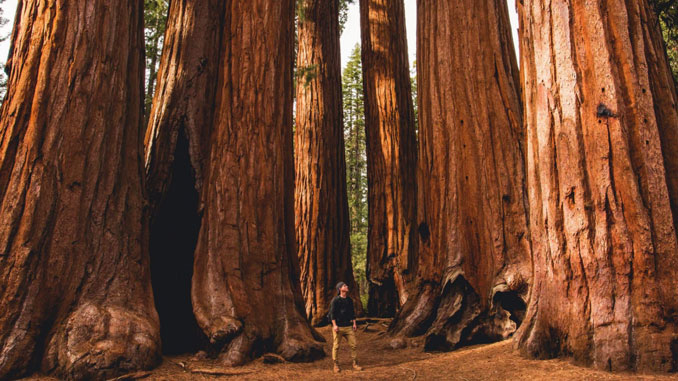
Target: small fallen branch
x=217, y=372
x=132, y=376
x=374, y=320
x=272, y=358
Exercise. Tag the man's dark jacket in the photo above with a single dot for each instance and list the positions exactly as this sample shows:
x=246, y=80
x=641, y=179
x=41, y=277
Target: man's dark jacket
x=341, y=310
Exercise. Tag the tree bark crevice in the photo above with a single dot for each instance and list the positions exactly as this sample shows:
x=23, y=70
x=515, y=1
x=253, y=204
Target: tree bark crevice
x=76, y=296
x=391, y=155
x=235, y=104
x=602, y=216
x=322, y=219
x=474, y=240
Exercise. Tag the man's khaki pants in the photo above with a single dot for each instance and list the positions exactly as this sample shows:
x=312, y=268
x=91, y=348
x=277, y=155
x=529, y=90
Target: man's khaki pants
x=348, y=333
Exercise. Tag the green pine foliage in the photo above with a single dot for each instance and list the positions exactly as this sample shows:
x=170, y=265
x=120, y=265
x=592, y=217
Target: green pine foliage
x=356, y=165
x=343, y=12
x=155, y=24
x=667, y=13
x=671, y=39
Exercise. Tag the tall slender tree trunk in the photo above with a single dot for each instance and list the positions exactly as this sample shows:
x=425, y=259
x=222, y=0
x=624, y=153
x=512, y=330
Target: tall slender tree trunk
x=75, y=291
x=602, y=124
x=234, y=104
x=321, y=204
x=391, y=155
x=474, y=258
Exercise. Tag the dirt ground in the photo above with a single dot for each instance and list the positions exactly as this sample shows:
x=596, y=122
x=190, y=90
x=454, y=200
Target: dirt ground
x=483, y=362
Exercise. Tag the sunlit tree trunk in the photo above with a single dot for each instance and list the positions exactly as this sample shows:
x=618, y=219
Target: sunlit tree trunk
x=600, y=110
x=321, y=204
x=474, y=249
x=391, y=155
x=75, y=291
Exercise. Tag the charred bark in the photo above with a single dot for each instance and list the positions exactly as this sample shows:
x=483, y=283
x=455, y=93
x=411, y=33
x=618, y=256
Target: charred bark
x=225, y=80
x=321, y=203
x=600, y=110
x=474, y=249
x=391, y=155
x=75, y=291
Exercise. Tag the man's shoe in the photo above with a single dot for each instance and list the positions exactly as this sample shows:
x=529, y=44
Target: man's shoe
x=336, y=368
x=356, y=366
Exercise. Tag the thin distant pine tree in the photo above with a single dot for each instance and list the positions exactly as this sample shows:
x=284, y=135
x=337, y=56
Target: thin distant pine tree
x=356, y=164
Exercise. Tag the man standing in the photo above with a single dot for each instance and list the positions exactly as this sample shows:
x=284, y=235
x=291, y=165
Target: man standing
x=342, y=315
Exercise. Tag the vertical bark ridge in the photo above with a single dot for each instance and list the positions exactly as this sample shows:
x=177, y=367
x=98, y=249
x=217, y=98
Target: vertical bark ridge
x=226, y=79
x=605, y=285
x=474, y=246
x=391, y=155
x=75, y=294
x=186, y=92
x=321, y=202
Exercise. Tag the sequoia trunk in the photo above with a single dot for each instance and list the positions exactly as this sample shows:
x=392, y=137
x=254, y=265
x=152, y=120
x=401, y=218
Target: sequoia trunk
x=602, y=127
x=75, y=291
x=474, y=250
x=225, y=83
x=321, y=204
x=391, y=155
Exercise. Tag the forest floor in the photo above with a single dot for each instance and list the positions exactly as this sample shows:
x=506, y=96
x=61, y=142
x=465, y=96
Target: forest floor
x=497, y=361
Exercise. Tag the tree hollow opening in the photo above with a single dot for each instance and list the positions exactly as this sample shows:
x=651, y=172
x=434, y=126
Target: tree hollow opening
x=173, y=238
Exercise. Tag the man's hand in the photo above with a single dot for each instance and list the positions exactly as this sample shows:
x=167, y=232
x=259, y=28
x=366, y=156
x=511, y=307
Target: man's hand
x=335, y=328
x=355, y=326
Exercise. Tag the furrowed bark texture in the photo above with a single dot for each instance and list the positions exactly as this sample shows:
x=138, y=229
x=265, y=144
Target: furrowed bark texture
x=474, y=259
x=183, y=108
x=226, y=80
x=321, y=202
x=391, y=155
x=75, y=290
x=184, y=101
x=601, y=118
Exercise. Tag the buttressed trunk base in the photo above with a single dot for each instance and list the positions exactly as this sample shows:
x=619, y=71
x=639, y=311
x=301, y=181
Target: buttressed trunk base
x=225, y=81
x=75, y=290
x=474, y=249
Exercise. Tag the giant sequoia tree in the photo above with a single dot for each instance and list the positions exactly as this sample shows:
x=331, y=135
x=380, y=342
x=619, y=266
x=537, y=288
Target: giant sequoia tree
x=75, y=291
x=225, y=85
x=321, y=205
x=391, y=154
x=602, y=169
x=474, y=255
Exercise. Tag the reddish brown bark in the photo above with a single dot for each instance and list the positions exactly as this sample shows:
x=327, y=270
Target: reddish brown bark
x=321, y=203
x=75, y=290
x=176, y=153
x=474, y=251
x=184, y=101
x=391, y=155
x=225, y=80
x=601, y=120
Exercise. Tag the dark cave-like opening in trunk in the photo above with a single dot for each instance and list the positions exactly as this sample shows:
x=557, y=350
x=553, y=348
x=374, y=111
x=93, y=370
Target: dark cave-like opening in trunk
x=174, y=234
x=513, y=303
